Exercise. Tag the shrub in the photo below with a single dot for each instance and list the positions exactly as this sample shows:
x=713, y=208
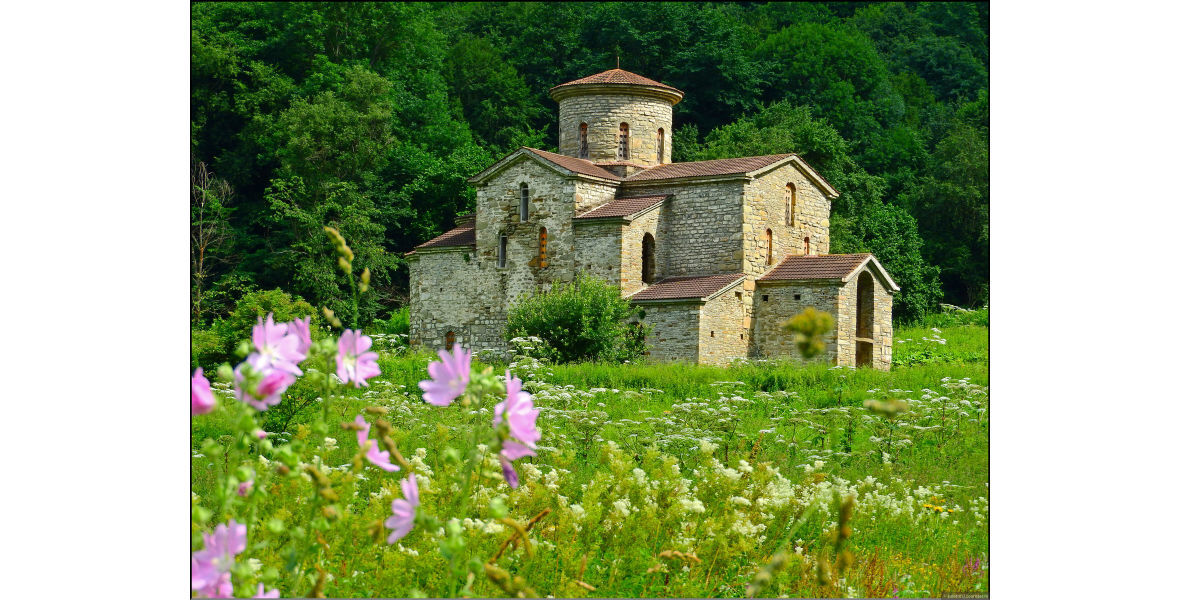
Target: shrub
x=217, y=344
x=207, y=349
x=585, y=319
x=398, y=322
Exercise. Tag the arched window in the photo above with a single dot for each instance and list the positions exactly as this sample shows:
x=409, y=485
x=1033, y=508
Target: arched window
x=807, y=245
x=450, y=340
x=524, y=202
x=624, y=143
x=660, y=145
x=502, y=258
x=791, y=204
x=769, y=247
x=649, y=258
x=583, y=144
x=543, y=248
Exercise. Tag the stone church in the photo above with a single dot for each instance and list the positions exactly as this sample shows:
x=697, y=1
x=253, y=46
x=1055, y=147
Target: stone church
x=719, y=254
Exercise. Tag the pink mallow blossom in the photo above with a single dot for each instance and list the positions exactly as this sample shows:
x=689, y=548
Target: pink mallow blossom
x=448, y=379
x=402, y=520
x=510, y=452
x=354, y=362
x=210, y=567
x=203, y=401
x=245, y=487
x=301, y=328
x=375, y=455
x=270, y=389
x=517, y=407
x=276, y=347
x=265, y=594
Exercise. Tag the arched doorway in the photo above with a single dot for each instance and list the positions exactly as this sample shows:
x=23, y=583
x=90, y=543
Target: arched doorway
x=649, y=258
x=864, y=319
x=449, y=340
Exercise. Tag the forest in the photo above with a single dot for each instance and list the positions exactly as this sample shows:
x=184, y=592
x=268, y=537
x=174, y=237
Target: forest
x=370, y=117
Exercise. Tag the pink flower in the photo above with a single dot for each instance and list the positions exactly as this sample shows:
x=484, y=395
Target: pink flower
x=354, y=363
x=301, y=328
x=245, y=487
x=203, y=401
x=270, y=389
x=277, y=348
x=375, y=455
x=448, y=379
x=402, y=520
x=260, y=434
x=264, y=594
x=510, y=452
x=211, y=566
x=518, y=408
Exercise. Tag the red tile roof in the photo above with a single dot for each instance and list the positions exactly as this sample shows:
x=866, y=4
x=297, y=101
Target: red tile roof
x=676, y=288
x=815, y=266
x=722, y=166
x=616, y=76
x=622, y=207
x=463, y=235
x=577, y=165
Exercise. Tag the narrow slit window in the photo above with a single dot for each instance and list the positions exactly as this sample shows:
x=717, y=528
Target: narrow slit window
x=791, y=204
x=660, y=146
x=583, y=143
x=502, y=258
x=624, y=145
x=543, y=248
x=524, y=202
x=769, y=247
x=648, y=264
x=807, y=245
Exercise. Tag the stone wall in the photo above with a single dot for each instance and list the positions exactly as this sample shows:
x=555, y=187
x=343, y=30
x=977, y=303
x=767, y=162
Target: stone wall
x=766, y=208
x=597, y=249
x=882, y=338
x=603, y=113
x=723, y=337
x=775, y=304
x=448, y=293
x=631, y=264
x=675, y=331
x=701, y=228
x=589, y=196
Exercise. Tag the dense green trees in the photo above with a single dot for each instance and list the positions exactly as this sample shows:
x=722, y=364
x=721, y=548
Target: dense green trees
x=369, y=117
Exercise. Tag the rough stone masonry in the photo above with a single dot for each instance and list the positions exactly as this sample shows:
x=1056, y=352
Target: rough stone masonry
x=718, y=253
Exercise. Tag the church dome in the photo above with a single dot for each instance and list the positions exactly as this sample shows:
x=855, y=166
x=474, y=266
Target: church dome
x=618, y=81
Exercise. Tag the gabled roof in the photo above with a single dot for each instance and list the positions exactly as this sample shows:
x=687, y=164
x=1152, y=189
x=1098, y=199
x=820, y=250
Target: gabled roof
x=565, y=165
x=463, y=235
x=616, y=78
x=747, y=166
x=622, y=208
x=827, y=266
x=688, y=288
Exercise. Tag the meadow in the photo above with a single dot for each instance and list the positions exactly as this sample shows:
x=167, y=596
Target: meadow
x=763, y=478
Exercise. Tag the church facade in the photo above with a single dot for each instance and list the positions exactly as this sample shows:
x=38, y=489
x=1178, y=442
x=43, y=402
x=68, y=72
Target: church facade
x=719, y=254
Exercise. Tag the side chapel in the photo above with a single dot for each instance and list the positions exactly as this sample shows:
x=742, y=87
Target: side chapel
x=718, y=253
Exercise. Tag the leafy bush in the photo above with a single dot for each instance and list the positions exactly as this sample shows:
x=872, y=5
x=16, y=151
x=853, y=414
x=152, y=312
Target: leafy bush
x=398, y=322
x=217, y=344
x=585, y=319
x=255, y=305
x=207, y=349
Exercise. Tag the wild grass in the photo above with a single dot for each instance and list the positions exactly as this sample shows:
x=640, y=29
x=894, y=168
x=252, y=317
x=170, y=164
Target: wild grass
x=730, y=465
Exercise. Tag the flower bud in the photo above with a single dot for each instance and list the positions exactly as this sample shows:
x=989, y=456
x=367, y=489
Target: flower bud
x=242, y=350
x=275, y=526
x=365, y=276
x=497, y=508
x=344, y=264
x=225, y=372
